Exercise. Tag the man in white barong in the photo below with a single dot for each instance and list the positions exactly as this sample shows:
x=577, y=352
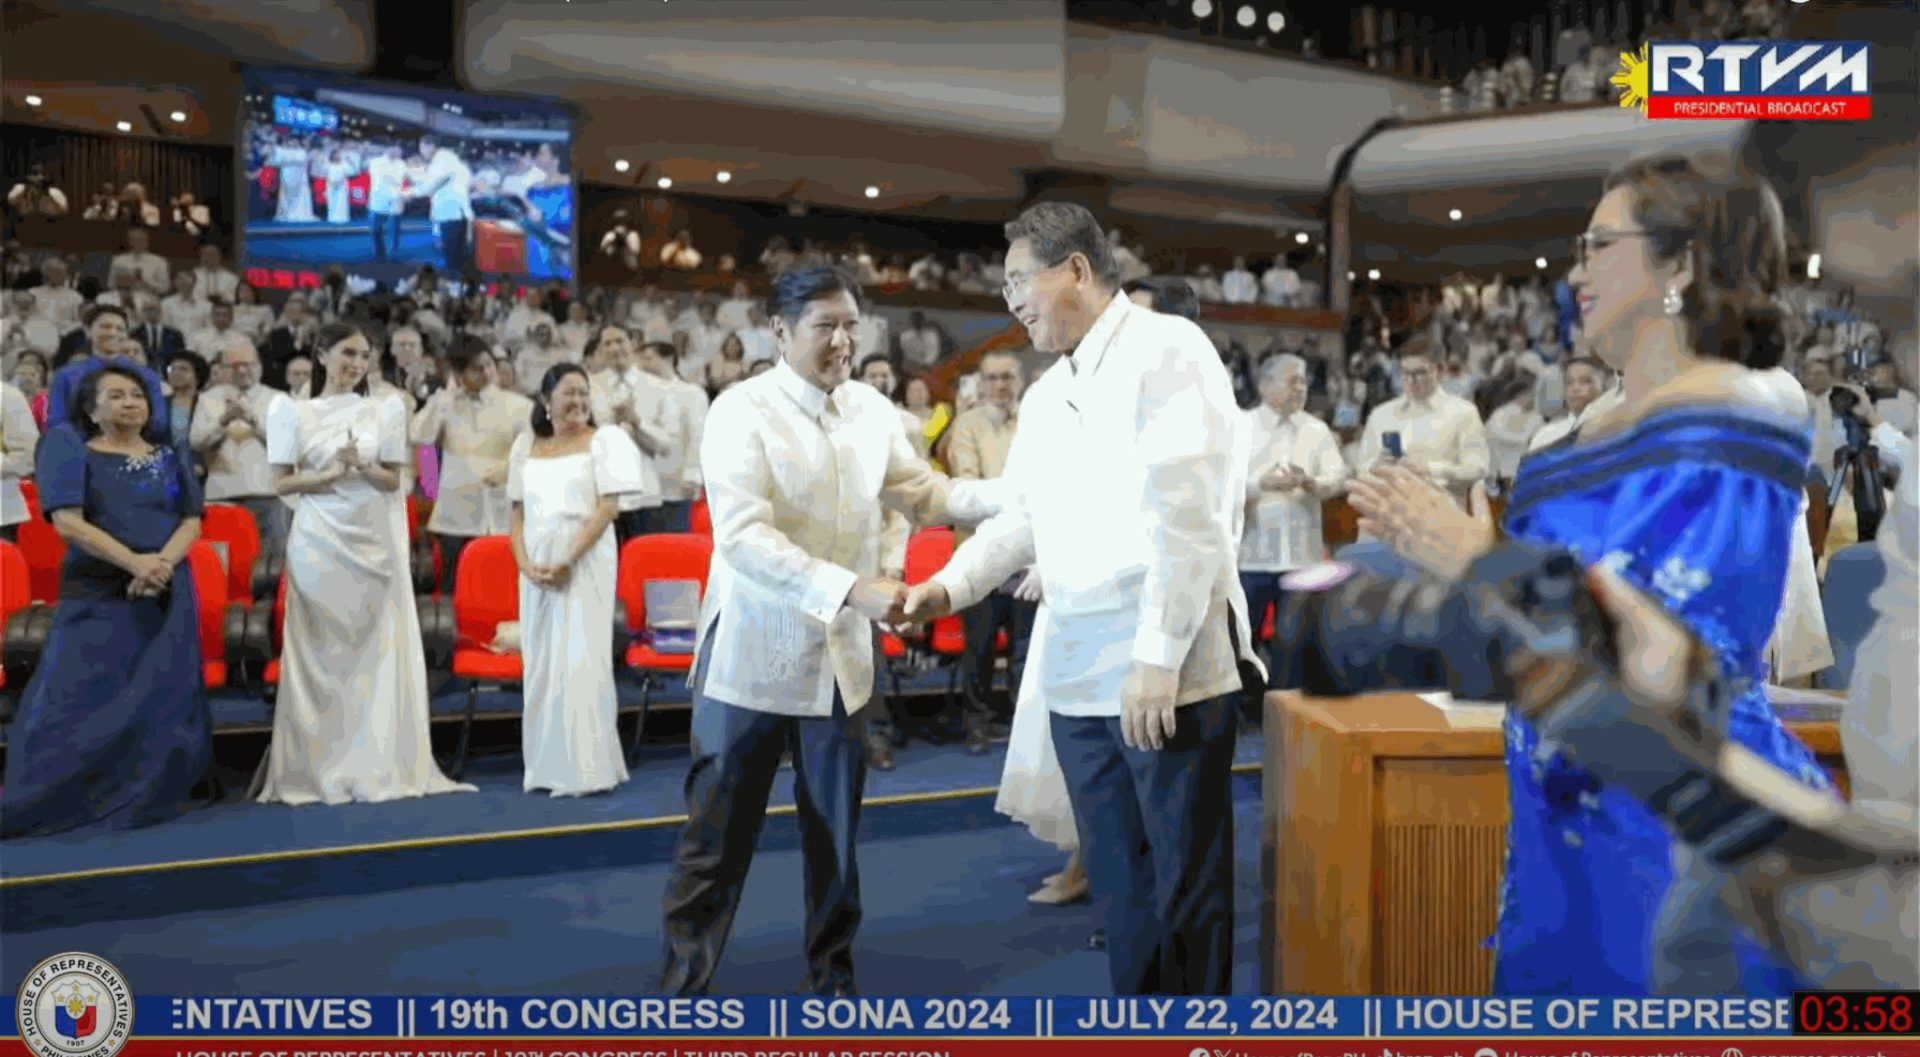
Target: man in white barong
x=1128, y=485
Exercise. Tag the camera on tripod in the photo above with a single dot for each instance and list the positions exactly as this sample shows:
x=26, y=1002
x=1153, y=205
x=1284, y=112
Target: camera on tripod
x=1523, y=627
x=1856, y=464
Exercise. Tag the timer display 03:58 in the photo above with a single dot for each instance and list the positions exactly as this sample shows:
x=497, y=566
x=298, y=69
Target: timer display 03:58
x=1856, y=1012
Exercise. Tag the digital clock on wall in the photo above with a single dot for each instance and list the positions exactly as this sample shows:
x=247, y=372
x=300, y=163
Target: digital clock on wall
x=1856, y=1012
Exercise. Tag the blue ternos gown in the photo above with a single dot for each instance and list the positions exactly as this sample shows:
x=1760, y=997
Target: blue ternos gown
x=1695, y=507
x=114, y=729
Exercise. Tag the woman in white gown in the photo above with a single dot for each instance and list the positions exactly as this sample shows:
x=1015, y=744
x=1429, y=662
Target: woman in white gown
x=1033, y=790
x=338, y=173
x=296, y=189
x=565, y=480
x=352, y=719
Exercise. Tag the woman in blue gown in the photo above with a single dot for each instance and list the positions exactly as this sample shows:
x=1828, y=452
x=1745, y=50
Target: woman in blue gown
x=1687, y=489
x=114, y=729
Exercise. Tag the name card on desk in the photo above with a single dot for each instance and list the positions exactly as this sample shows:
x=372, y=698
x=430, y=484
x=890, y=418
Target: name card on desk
x=1466, y=715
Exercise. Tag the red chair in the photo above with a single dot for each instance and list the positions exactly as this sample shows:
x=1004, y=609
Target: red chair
x=429, y=565
x=647, y=558
x=235, y=527
x=44, y=550
x=486, y=594
x=210, y=584
x=31, y=493
x=929, y=551
x=270, y=674
x=16, y=594
x=699, y=518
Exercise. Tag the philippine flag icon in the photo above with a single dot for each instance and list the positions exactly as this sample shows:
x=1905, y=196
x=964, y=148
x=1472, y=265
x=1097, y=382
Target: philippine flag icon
x=75, y=1018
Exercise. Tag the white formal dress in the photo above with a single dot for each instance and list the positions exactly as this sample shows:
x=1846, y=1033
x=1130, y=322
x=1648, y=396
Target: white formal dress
x=1033, y=789
x=351, y=722
x=338, y=202
x=568, y=736
x=296, y=190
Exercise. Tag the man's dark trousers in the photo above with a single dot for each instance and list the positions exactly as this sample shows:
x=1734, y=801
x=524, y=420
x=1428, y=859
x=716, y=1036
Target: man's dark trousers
x=454, y=246
x=992, y=613
x=1263, y=589
x=1156, y=833
x=674, y=515
x=736, y=753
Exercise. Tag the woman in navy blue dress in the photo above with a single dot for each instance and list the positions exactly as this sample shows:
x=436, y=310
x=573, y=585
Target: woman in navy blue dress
x=1688, y=490
x=114, y=729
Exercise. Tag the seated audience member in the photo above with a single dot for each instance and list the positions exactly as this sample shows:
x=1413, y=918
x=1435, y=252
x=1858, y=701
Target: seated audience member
x=672, y=406
x=18, y=436
x=1294, y=464
x=149, y=269
x=212, y=281
x=187, y=375
x=299, y=378
x=254, y=319
x=56, y=300
x=184, y=310
x=114, y=729
x=977, y=447
x=230, y=434
x=1587, y=380
x=1440, y=436
x=294, y=336
x=107, y=342
x=162, y=341
x=1511, y=428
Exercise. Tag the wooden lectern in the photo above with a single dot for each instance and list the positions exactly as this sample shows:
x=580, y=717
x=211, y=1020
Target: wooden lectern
x=1384, y=834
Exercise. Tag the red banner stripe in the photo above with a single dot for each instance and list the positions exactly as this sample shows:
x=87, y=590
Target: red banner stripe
x=1761, y=108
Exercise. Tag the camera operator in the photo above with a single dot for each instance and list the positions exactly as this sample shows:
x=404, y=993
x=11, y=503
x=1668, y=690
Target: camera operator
x=1857, y=462
x=36, y=196
x=1896, y=404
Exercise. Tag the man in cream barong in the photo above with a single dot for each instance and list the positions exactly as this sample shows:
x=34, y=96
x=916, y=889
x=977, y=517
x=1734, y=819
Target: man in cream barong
x=797, y=462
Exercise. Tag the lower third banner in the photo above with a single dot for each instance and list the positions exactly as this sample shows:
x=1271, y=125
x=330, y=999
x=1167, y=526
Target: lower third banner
x=1009, y=1047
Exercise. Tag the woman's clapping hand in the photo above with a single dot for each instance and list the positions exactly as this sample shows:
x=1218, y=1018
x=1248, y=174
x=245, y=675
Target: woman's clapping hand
x=1421, y=522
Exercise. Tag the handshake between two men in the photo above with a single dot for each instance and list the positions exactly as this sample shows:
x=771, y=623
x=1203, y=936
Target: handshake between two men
x=895, y=605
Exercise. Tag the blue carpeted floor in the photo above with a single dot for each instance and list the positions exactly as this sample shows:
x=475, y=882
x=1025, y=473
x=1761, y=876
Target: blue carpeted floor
x=945, y=914
x=471, y=899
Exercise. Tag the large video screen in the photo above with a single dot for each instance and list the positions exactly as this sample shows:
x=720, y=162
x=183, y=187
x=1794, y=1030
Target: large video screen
x=382, y=179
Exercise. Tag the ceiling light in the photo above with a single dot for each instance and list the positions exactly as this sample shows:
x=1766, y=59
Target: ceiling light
x=33, y=100
x=1540, y=263
x=1349, y=276
x=1373, y=274
x=1301, y=237
x=1454, y=214
x=723, y=176
x=179, y=116
x=124, y=126
x=622, y=165
x=664, y=183
x=1202, y=8
x=872, y=191
x=1276, y=22
x=1813, y=266
x=1246, y=16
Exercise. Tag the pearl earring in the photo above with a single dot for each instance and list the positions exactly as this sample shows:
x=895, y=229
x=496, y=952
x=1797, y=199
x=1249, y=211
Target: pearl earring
x=1672, y=302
